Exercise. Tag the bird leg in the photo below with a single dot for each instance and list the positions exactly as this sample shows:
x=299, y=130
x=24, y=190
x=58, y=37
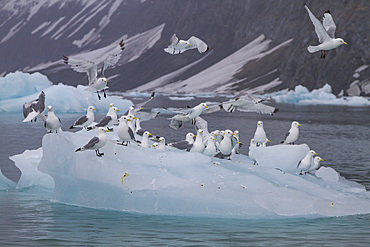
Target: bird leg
x=104, y=93
x=324, y=54
x=98, y=153
x=98, y=95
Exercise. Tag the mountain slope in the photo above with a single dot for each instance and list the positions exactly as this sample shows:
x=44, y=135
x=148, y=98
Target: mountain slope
x=34, y=35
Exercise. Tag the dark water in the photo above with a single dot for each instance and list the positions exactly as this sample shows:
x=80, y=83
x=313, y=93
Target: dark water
x=340, y=135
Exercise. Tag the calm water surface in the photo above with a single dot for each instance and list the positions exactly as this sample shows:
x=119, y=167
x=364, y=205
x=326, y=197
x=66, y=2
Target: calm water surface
x=339, y=134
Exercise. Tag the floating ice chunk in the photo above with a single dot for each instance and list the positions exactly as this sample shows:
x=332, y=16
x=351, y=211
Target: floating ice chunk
x=5, y=183
x=172, y=182
x=321, y=96
x=328, y=174
x=19, y=84
x=27, y=162
x=62, y=97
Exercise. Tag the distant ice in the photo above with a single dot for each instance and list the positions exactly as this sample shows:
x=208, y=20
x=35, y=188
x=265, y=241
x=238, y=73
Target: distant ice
x=321, y=96
x=181, y=98
x=174, y=182
x=24, y=87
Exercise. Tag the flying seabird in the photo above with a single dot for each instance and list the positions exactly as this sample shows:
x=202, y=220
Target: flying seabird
x=178, y=46
x=248, y=103
x=83, y=66
x=34, y=109
x=325, y=32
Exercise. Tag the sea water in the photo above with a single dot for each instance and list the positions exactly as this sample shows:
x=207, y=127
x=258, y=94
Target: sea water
x=340, y=135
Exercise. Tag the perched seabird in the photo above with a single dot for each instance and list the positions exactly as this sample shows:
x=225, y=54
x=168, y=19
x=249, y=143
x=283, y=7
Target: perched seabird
x=85, y=120
x=145, y=141
x=82, y=66
x=260, y=135
x=108, y=120
x=198, y=145
x=96, y=142
x=161, y=143
x=178, y=46
x=211, y=149
x=316, y=164
x=34, y=109
x=184, y=144
x=250, y=155
x=248, y=103
x=124, y=132
x=52, y=122
x=292, y=136
x=305, y=164
x=238, y=144
x=227, y=144
x=325, y=32
x=112, y=112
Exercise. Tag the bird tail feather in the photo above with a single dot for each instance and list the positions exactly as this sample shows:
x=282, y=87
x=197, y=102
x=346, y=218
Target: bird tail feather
x=313, y=49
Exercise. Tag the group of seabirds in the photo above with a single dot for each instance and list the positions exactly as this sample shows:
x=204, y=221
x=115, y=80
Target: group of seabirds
x=218, y=143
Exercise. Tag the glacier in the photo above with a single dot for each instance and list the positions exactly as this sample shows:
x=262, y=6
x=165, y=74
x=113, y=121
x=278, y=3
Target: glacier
x=18, y=88
x=322, y=96
x=174, y=182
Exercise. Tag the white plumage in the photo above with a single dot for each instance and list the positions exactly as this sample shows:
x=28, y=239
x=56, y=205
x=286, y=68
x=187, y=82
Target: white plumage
x=52, y=122
x=178, y=46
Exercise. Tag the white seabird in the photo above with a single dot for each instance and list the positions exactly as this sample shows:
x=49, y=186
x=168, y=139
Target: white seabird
x=124, y=132
x=198, y=145
x=305, y=164
x=211, y=149
x=161, y=143
x=325, y=32
x=145, y=141
x=316, y=164
x=260, y=135
x=250, y=154
x=52, y=122
x=178, y=46
x=184, y=144
x=34, y=109
x=108, y=120
x=83, y=66
x=227, y=144
x=292, y=136
x=85, y=120
x=96, y=142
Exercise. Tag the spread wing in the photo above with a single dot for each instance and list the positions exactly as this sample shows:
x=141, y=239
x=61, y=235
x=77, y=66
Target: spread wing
x=202, y=124
x=259, y=108
x=83, y=66
x=198, y=43
x=140, y=105
x=212, y=108
x=145, y=116
x=329, y=24
x=320, y=31
x=114, y=56
x=174, y=40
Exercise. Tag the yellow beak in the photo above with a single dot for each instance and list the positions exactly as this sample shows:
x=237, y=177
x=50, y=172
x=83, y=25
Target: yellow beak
x=316, y=154
x=321, y=160
x=118, y=110
x=299, y=124
x=107, y=131
x=128, y=119
x=345, y=43
x=94, y=109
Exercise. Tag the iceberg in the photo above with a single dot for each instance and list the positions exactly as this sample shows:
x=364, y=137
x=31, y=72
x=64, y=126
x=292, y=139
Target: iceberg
x=174, y=182
x=321, y=96
x=62, y=97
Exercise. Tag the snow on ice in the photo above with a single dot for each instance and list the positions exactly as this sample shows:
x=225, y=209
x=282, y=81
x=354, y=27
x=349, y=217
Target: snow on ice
x=175, y=182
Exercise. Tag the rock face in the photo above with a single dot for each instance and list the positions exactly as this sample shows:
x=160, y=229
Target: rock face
x=34, y=36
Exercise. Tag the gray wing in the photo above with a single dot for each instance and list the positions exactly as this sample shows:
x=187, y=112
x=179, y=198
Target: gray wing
x=104, y=121
x=198, y=43
x=189, y=147
x=319, y=29
x=329, y=24
x=234, y=141
x=27, y=108
x=180, y=144
x=140, y=132
x=83, y=66
x=140, y=105
x=175, y=124
x=131, y=133
x=212, y=109
x=174, y=40
x=114, y=56
x=250, y=97
x=92, y=143
x=145, y=116
x=81, y=120
x=259, y=108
